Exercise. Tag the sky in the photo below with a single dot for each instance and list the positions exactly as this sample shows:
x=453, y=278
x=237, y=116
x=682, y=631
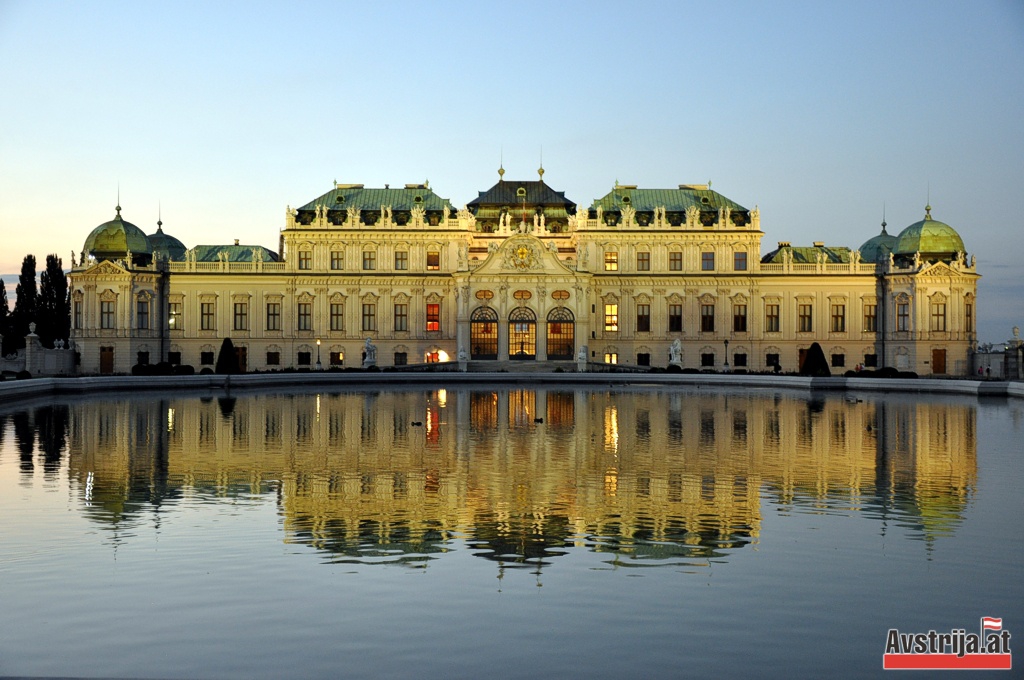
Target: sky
x=217, y=116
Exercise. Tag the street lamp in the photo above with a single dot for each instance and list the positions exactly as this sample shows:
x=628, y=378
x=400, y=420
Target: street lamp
x=727, y=355
x=319, y=367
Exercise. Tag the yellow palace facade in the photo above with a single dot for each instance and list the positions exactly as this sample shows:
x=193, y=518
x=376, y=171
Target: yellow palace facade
x=521, y=276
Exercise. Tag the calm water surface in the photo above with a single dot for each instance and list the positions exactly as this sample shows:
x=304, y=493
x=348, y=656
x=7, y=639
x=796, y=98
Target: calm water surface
x=502, y=533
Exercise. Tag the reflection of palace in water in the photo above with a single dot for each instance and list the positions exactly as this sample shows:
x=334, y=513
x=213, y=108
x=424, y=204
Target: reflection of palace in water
x=520, y=474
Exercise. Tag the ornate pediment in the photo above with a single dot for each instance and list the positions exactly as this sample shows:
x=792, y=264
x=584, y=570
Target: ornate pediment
x=522, y=255
x=103, y=269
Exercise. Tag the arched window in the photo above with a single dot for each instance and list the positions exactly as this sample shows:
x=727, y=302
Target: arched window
x=561, y=334
x=483, y=334
x=522, y=334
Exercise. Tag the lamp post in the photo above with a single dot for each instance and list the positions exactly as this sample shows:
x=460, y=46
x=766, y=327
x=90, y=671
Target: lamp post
x=319, y=367
x=727, y=355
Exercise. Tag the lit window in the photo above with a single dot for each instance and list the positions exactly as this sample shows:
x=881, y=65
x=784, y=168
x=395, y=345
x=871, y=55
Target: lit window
x=611, y=261
x=337, y=358
x=611, y=317
x=611, y=357
x=433, y=261
x=433, y=317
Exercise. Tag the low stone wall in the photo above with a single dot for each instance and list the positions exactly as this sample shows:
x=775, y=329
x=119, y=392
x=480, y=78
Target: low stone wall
x=14, y=390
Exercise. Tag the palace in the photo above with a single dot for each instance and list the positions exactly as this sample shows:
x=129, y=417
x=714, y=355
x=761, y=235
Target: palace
x=521, y=277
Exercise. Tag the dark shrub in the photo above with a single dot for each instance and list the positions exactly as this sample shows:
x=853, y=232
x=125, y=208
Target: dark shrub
x=227, y=360
x=184, y=369
x=815, y=364
x=910, y=375
x=23, y=375
x=206, y=371
x=163, y=368
x=142, y=369
x=888, y=372
x=690, y=370
x=673, y=368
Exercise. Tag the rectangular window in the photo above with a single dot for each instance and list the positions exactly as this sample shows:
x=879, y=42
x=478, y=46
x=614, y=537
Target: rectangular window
x=433, y=317
x=838, y=360
x=241, y=316
x=401, y=317
x=707, y=360
x=370, y=316
x=643, y=318
x=969, y=317
x=305, y=358
x=401, y=358
x=273, y=316
x=771, y=318
x=401, y=260
x=675, y=262
x=337, y=259
x=206, y=316
x=805, y=317
x=739, y=360
x=142, y=358
x=78, y=314
x=175, y=321
x=707, y=261
x=142, y=314
x=107, y=314
x=739, y=318
x=273, y=358
x=838, y=318
x=337, y=358
x=771, y=360
x=611, y=357
x=369, y=260
x=938, y=316
x=870, y=360
x=337, y=316
x=643, y=261
x=305, y=316
x=611, y=261
x=433, y=261
x=643, y=359
x=903, y=316
x=174, y=358
x=707, y=318
x=611, y=317
x=305, y=259
x=870, y=318
x=206, y=358
x=739, y=262
x=675, y=318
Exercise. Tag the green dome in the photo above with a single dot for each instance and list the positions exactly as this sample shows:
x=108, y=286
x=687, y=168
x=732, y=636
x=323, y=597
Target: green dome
x=877, y=248
x=166, y=246
x=929, y=237
x=112, y=240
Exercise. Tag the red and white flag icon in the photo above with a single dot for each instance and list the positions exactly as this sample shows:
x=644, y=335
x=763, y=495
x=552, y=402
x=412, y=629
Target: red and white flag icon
x=991, y=623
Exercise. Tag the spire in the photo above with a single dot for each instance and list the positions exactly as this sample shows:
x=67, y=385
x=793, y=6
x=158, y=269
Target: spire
x=501, y=165
x=118, y=208
x=159, y=219
x=928, y=207
x=883, y=219
x=540, y=170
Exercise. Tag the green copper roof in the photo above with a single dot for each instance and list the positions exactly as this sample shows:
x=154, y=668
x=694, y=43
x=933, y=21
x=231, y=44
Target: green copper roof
x=345, y=196
x=115, y=238
x=809, y=255
x=165, y=245
x=929, y=237
x=239, y=253
x=673, y=200
x=877, y=248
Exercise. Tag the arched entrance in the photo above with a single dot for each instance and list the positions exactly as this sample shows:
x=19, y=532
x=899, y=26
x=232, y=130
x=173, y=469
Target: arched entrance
x=522, y=334
x=561, y=334
x=483, y=334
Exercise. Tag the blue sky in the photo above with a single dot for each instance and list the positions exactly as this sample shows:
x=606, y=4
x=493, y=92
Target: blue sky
x=222, y=114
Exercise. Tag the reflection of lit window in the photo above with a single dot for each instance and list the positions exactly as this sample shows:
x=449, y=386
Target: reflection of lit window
x=611, y=427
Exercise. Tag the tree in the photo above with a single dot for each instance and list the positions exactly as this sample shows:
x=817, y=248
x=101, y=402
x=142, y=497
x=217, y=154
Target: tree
x=5, y=318
x=25, y=304
x=53, y=316
x=815, y=364
x=227, y=360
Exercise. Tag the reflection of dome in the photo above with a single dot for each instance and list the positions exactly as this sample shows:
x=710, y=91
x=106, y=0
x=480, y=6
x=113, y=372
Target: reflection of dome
x=114, y=239
x=166, y=246
x=877, y=248
x=931, y=238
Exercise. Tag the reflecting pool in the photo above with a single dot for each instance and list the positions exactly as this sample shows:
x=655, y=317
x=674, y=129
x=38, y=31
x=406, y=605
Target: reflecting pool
x=509, y=533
